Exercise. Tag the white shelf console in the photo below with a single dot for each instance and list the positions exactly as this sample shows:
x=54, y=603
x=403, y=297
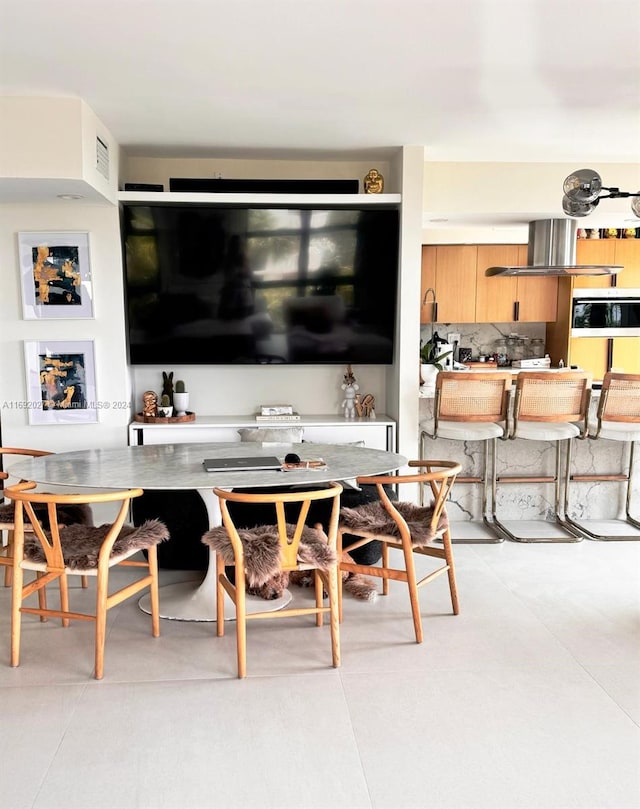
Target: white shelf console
x=378, y=433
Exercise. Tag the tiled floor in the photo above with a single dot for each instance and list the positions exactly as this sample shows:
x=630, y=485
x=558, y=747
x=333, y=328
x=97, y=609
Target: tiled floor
x=529, y=699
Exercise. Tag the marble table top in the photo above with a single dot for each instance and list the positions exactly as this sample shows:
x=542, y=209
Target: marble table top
x=179, y=466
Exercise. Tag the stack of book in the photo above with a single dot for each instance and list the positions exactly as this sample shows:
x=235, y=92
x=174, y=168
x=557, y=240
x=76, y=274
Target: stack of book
x=277, y=413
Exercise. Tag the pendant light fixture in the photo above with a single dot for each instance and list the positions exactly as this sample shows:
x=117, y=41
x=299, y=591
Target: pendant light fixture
x=583, y=190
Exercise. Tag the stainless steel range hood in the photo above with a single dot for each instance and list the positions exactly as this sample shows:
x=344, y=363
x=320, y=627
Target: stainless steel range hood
x=552, y=251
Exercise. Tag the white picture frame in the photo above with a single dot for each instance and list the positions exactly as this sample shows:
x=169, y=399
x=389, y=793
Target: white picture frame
x=61, y=381
x=55, y=276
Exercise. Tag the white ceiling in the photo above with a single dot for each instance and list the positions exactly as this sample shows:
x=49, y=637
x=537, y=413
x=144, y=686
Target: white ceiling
x=494, y=80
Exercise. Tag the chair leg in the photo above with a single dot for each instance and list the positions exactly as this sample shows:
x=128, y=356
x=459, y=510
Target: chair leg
x=560, y=481
x=340, y=579
x=410, y=578
x=241, y=623
x=451, y=572
x=385, y=564
x=152, y=560
x=101, y=623
x=8, y=570
x=332, y=581
x=488, y=483
x=64, y=596
x=16, y=615
x=42, y=599
x=631, y=520
x=628, y=480
x=318, y=586
x=219, y=596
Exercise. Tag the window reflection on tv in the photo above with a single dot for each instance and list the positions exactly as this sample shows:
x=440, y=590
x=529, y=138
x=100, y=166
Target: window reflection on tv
x=207, y=285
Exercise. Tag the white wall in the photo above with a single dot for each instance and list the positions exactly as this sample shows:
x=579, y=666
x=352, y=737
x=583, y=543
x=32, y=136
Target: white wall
x=107, y=329
x=488, y=193
x=215, y=390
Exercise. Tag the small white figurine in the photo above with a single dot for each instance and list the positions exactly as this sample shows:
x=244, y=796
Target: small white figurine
x=350, y=388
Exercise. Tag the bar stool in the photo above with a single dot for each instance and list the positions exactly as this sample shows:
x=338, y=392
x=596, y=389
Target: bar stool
x=548, y=406
x=471, y=406
x=618, y=419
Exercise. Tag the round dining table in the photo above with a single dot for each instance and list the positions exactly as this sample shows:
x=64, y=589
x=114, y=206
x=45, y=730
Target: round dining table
x=180, y=467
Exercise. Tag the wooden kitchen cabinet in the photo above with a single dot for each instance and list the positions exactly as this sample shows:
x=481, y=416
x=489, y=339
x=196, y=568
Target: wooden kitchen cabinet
x=594, y=251
x=502, y=299
x=609, y=251
x=590, y=354
x=450, y=270
x=626, y=355
x=627, y=253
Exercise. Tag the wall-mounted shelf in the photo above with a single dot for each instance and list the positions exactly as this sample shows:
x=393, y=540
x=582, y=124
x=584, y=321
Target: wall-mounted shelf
x=334, y=200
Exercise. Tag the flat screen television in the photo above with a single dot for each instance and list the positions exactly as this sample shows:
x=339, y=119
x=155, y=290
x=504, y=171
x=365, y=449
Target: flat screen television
x=212, y=285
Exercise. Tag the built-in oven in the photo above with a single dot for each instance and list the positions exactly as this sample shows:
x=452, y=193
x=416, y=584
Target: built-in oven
x=611, y=312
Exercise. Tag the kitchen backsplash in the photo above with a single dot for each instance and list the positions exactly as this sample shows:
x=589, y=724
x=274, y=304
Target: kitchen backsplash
x=482, y=338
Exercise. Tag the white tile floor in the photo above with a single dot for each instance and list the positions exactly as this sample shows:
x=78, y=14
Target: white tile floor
x=529, y=699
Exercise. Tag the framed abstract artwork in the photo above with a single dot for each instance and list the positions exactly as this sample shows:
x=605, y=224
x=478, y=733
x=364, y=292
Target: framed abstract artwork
x=61, y=381
x=55, y=276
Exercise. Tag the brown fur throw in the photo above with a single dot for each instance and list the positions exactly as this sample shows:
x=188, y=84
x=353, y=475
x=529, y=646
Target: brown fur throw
x=262, y=550
x=373, y=517
x=67, y=514
x=361, y=587
x=81, y=543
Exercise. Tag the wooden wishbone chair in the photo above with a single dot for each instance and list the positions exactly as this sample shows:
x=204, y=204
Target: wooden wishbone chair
x=63, y=550
x=409, y=528
x=7, y=509
x=289, y=545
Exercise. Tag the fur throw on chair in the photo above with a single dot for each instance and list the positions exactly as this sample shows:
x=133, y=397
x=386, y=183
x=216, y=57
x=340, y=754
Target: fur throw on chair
x=67, y=514
x=81, y=543
x=262, y=550
x=374, y=518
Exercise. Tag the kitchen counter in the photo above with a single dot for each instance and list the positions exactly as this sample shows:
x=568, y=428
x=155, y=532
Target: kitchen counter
x=534, y=501
x=428, y=392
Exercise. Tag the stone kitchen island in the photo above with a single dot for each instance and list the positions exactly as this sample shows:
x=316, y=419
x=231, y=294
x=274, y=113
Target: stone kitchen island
x=589, y=501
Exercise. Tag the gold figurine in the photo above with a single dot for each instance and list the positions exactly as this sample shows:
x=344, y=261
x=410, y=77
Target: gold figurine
x=149, y=403
x=373, y=182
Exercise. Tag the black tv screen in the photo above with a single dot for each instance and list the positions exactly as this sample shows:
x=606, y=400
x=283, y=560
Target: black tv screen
x=211, y=285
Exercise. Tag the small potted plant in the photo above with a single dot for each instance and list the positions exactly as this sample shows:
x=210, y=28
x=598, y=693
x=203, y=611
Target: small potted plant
x=180, y=398
x=165, y=409
x=431, y=357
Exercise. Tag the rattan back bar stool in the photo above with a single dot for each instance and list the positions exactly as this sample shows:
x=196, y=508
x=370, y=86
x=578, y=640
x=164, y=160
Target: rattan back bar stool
x=618, y=419
x=554, y=407
x=471, y=406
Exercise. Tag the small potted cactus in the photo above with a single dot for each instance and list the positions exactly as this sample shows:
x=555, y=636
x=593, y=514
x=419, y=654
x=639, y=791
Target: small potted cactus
x=165, y=408
x=180, y=398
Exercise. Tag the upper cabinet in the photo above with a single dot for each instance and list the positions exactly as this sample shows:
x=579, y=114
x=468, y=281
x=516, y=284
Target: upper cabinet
x=609, y=251
x=525, y=299
x=627, y=253
x=450, y=270
x=464, y=294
